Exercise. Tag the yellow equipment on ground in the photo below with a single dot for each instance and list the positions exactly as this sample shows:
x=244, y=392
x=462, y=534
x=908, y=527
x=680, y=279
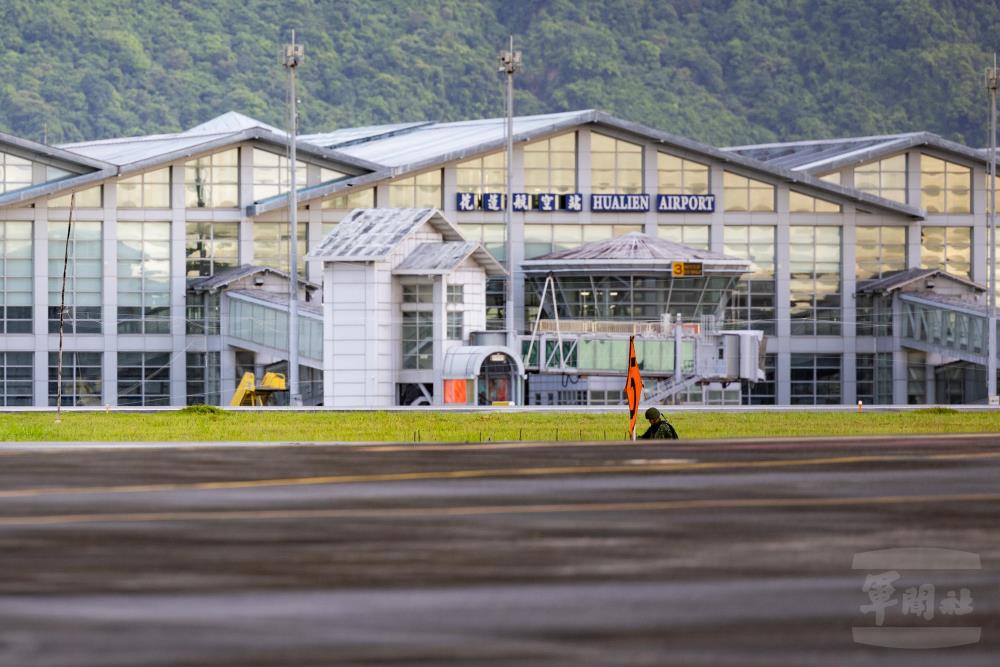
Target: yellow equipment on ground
x=248, y=393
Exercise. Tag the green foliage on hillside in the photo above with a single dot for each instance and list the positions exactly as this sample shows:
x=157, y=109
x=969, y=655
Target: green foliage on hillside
x=723, y=71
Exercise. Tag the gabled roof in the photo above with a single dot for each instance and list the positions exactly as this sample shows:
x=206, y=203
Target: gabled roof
x=830, y=154
x=371, y=234
x=426, y=145
x=437, y=258
x=229, y=276
x=57, y=156
x=634, y=250
x=231, y=121
x=357, y=135
x=899, y=280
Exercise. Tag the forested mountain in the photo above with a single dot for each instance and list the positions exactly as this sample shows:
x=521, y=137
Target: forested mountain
x=733, y=71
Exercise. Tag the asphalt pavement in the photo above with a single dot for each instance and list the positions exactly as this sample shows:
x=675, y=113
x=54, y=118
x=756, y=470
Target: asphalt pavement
x=743, y=553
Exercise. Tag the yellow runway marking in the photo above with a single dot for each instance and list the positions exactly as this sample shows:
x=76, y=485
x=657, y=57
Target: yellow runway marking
x=420, y=512
x=488, y=473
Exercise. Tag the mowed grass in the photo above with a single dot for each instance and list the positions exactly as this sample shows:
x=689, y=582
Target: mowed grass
x=470, y=426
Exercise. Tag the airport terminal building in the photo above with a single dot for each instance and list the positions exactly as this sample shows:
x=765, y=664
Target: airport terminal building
x=863, y=261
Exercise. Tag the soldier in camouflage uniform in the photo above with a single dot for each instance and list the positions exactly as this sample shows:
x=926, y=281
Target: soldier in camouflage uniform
x=659, y=428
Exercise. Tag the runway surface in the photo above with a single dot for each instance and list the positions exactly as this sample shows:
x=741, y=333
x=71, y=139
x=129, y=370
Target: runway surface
x=687, y=553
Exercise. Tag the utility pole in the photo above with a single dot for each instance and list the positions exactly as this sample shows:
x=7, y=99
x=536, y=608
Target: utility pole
x=992, y=80
x=292, y=57
x=510, y=62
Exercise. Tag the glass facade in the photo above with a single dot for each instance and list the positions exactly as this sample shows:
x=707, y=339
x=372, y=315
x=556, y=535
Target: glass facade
x=693, y=236
x=203, y=378
x=270, y=244
x=945, y=187
x=542, y=239
x=615, y=165
x=203, y=311
x=212, y=181
x=815, y=379
x=762, y=393
x=16, y=278
x=83, y=276
x=143, y=378
x=420, y=191
x=456, y=321
x=874, y=378
x=359, y=199
x=754, y=297
x=492, y=236
x=15, y=378
x=879, y=251
x=800, y=203
x=947, y=248
x=210, y=247
x=271, y=175
x=746, y=194
x=81, y=378
x=418, y=340
x=814, y=288
x=677, y=176
x=550, y=165
x=143, y=277
x=483, y=174
x=884, y=178
x=148, y=190
x=89, y=198
x=15, y=172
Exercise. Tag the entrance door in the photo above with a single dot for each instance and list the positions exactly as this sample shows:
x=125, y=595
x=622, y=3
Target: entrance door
x=495, y=379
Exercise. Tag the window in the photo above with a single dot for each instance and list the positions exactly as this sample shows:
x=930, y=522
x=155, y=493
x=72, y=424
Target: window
x=746, y=194
x=81, y=378
x=677, y=176
x=874, y=378
x=483, y=174
x=211, y=247
x=213, y=181
x=945, y=187
x=800, y=203
x=615, y=165
x=753, y=300
x=16, y=378
x=16, y=282
x=83, y=277
x=203, y=378
x=493, y=238
x=89, y=198
x=271, y=175
x=352, y=200
x=542, y=239
x=916, y=378
x=203, y=311
x=880, y=251
x=420, y=191
x=496, y=304
x=948, y=248
x=143, y=277
x=550, y=165
x=148, y=190
x=833, y=177
x=693, y=236
x=419, y=293
x=884, y=178
x=762, y=393
x=418, y=340
x=456, y=321
x=15, y=172
x=456, y=293
x=270, y=244
x=143, y=378
x=815, y=280
x=815, y=379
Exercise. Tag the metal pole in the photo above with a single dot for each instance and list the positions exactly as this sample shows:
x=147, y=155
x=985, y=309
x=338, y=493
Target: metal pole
x=62, y=310
x=510, y=61
x=992, y=80
x=293, y=56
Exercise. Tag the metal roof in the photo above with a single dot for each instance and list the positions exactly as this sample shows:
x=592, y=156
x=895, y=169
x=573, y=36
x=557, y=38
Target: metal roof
x=443, y=258
x=945, y=301
x=57, y=155
x=371, y=234
x=38, y=190
x=634, y=250
x=466, y=362
x=830, y=154
x=308, y=308
x=356, y=135
x=903, y=278
x=229, y=276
